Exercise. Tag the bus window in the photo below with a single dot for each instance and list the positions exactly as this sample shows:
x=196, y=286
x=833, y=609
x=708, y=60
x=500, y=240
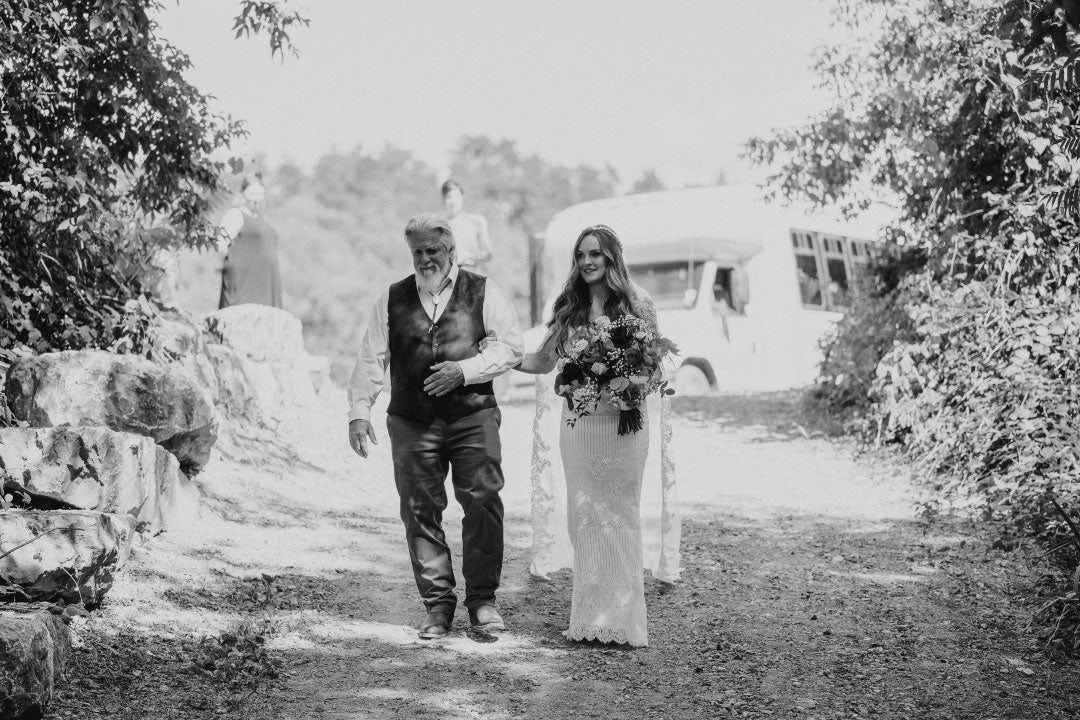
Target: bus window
x=740, y=289
x=809, y=285
x=730, y=290
x=826, y=267
x=667, y=283
x=806, y=268
x=721, y=288
x=836, y=271
x=839, y=291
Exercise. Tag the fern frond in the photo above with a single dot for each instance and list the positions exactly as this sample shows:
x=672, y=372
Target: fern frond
x=1064, y=78
x=1067, y=200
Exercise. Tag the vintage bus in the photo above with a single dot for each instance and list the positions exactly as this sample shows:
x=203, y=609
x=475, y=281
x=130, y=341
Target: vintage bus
x=746, y=288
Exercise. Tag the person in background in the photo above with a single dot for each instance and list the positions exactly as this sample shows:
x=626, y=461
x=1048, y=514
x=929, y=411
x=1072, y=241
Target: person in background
x=250, y=273
x=473, y=246
x=470, y=230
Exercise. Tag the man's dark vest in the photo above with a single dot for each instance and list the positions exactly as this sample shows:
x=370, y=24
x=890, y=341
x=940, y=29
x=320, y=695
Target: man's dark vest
x=416, y=344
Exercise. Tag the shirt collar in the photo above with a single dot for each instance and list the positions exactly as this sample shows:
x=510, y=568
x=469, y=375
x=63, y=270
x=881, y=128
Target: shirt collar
x=451, y=276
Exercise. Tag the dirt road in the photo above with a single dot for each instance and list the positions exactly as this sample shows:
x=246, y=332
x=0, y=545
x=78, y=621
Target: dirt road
x=811, y=590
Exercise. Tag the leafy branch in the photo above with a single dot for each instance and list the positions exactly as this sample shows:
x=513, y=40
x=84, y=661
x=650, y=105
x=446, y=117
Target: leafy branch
x=272, y=17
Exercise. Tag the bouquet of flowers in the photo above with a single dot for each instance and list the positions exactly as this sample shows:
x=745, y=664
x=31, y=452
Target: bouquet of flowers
x=614, y=361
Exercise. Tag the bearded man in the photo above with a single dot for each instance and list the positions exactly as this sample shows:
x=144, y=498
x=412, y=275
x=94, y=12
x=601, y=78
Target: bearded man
x=428, y=329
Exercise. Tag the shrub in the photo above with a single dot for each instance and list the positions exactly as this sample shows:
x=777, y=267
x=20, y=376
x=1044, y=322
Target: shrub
x=935, y=108
x=852, y=350
x=985, y=394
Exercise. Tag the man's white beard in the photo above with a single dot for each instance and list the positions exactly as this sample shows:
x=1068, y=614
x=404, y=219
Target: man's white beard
x=430, y=283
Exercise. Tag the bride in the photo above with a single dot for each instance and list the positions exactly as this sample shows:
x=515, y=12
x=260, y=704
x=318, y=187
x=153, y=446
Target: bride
x=588, y=516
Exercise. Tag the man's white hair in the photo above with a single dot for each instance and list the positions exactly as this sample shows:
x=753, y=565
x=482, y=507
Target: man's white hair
x=430, y=225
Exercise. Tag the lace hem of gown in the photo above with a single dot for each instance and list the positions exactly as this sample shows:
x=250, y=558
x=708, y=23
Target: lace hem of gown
x=604, y=634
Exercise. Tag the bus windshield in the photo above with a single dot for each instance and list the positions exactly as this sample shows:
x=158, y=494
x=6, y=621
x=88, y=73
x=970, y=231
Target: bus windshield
x=669, y=282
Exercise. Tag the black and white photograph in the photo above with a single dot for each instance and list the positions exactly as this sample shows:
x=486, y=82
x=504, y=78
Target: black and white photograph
x=490, y=359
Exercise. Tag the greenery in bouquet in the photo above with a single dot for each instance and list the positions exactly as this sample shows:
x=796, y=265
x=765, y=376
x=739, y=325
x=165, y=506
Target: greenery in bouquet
x=619, y=362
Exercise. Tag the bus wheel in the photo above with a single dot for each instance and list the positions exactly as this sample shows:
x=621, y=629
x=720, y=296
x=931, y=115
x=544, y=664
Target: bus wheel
x=690, y=380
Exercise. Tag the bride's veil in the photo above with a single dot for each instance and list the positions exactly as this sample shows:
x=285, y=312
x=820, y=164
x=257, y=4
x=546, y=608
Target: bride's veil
x=660, y=522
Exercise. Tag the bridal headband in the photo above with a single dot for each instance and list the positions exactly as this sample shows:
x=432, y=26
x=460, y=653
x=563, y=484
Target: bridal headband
x=608, y=230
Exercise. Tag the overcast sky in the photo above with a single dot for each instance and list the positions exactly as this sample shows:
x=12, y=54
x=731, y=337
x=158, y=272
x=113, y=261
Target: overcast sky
x=672, y=84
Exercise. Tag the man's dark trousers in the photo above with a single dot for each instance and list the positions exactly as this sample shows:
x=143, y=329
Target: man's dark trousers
x=423, y=452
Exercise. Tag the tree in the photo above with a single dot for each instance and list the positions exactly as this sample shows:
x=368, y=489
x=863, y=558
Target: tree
x=107, y=154
x=528, y=190
x=934, y=108
x=648, y=182
x=288, y=179
x=721, y=179
x=376, y=194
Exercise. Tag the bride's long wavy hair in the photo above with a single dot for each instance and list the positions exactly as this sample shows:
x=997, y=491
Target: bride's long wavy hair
x=572, y=306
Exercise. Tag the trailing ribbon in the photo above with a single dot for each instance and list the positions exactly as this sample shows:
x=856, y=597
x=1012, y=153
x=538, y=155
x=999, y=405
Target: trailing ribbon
x=630, y=421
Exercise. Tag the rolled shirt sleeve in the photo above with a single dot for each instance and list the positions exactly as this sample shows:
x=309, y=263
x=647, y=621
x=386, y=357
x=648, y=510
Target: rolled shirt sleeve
x=367, y=377
x=506, y=350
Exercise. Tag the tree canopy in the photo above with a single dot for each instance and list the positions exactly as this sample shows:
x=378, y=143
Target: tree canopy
x=106, y=154
x=648, y=182
x=969, y=355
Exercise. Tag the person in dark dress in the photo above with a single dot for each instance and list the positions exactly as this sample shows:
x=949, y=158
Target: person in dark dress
x=250, y=273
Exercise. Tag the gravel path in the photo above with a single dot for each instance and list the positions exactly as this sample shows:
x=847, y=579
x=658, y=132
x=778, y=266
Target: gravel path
x=811, y=590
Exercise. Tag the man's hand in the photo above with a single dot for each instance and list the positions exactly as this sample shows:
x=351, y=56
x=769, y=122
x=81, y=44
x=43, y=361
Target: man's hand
x=360, y=431
x=446, y=377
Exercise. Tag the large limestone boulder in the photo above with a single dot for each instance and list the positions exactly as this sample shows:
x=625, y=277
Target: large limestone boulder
x=62, y=554
x=260, y=332
x=280, y=374
x=175, y=339
x=241, y=389
x=99, y=469
x=34, y=648
x=174, y=336
x=91, y=387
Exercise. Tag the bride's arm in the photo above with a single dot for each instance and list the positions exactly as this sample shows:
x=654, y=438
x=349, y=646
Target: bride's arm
x=647, y=309
x=537, y=363
x=543, y=360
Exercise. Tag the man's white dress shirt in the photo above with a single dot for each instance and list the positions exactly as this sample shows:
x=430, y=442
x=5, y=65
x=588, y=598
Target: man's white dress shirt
x=501, y=354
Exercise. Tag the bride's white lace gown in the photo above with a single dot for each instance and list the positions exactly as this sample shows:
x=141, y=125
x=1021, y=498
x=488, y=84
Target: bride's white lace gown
x=605, y=505
x=603, y=491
